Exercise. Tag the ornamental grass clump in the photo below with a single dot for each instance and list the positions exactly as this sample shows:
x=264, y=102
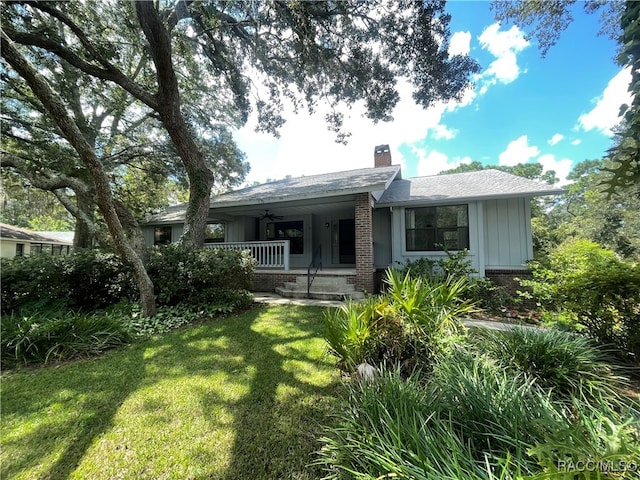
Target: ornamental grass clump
x=394, y=428
x=470, y=418
x=571, y=367
x=43, y=339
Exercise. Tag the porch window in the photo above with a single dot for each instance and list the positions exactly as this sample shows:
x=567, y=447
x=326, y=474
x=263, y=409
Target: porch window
x=437, y=228
x=214, y=233
x=162, y=235
x=19, y=249
x=292, y=231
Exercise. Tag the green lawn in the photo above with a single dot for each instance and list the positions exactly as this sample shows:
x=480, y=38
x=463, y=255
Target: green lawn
x=236, y=398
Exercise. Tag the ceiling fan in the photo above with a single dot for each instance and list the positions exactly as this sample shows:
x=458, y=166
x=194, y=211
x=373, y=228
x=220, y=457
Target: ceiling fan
x=270, y=216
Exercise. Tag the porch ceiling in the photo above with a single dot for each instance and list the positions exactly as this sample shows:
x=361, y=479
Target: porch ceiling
x=285, y=209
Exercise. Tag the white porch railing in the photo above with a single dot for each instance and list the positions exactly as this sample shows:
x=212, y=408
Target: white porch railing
x=272, y=254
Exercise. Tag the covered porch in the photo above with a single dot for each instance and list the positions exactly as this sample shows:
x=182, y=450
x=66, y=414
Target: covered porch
x=326, y=238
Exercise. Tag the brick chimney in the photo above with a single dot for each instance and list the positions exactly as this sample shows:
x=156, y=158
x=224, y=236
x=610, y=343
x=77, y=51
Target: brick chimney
x=382, y=156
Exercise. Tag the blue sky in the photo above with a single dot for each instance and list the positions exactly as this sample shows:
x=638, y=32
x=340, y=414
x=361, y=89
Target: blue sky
x=556, y=110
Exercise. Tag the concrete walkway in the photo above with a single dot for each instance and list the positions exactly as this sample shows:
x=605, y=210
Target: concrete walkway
x=267, y=297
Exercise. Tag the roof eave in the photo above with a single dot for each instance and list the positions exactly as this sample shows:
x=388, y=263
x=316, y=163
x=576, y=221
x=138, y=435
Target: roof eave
x=295, y=198
x=400, y=203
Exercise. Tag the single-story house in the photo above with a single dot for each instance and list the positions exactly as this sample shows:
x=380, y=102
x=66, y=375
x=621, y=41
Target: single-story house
x=354, y=224
x=18, y=242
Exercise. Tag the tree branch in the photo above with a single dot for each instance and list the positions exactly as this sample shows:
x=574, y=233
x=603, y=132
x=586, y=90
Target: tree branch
x=45, y=181
x=113, y=74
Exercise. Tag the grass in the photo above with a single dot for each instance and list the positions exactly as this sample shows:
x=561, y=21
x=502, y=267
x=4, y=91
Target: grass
x=242, y=397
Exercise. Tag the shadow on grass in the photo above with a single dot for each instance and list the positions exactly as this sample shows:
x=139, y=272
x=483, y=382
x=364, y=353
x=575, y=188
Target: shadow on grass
x=277, y=422
x=64, y=407
x=272, y=355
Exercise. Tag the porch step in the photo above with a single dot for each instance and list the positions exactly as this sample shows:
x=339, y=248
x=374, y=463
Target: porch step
x=322, y=288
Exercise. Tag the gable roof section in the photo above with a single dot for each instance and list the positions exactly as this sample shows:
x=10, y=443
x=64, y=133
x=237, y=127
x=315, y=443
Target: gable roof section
x=479, y=185
x=9, y=232
x=313, y=186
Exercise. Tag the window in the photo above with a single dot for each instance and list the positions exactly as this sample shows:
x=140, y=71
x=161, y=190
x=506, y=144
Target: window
x=36, y=248
x=214, y=233
x=437, y=228
x=162, y=235
x=19, y=249
x=293, y=231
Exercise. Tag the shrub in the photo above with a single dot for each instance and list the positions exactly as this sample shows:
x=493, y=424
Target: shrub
x=33, y=281
x=42, y=339
x=600, y=291
x=91, y=279
x=199, y=276
x=88, y=280
x=481, y=291
x=96, y=279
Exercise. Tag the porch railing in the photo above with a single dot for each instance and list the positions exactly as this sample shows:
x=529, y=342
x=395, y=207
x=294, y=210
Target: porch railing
x=272, y=254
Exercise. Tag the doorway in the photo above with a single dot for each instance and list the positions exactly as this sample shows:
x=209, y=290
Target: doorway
x=347, y=241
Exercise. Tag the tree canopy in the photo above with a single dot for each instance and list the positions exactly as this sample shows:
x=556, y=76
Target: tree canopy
x=197, y=65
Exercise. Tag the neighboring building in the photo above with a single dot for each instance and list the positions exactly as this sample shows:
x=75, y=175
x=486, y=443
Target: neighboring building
x=18, y=242
x=357, y=223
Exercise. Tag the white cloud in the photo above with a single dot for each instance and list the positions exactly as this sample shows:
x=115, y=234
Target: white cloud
x=307, y=147
x=604, y=116
x=442, y=132
x=435, y=162
x=460, y=43
x=562, y=167
x=576, y=142
x=504, y=45
x=518, y=151
x=557, y=138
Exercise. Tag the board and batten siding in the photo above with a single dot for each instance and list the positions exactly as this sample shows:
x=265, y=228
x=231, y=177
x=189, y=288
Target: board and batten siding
x=400, y=255
x=382, y=238
x=507, y=233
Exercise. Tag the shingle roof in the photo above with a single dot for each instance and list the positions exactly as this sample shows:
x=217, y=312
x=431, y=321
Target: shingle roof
x=291, y=189
x=15, y=233
x=313, y=186
x=173, y=214
x=482, y=184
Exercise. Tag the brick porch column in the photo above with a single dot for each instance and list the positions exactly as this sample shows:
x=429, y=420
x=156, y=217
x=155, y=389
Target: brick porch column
x=364, y=243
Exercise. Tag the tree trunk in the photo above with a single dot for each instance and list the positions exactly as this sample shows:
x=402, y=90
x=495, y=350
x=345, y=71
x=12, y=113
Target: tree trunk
x=104, y=198
x=84, y=237
x=132, y=229
x=168, y=96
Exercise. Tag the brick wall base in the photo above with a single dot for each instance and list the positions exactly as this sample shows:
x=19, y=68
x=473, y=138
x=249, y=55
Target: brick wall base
x=507, y=279
x=267, y=282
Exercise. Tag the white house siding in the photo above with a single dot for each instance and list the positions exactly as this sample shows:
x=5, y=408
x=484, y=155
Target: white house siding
x=476, y=237
x=507, y=233
x=382, y=238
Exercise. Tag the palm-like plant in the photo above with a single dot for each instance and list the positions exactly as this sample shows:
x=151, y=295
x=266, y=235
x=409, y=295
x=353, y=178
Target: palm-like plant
x=350, y=330
x=433, y=306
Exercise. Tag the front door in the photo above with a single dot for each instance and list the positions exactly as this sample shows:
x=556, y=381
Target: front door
x=347, y=241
